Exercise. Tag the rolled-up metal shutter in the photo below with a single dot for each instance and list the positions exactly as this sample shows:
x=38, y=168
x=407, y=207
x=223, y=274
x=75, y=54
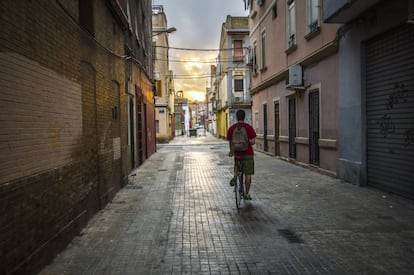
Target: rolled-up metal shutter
x=390, y=111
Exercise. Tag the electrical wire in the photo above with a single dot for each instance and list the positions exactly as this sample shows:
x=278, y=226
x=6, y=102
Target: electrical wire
x=159, y=46
x=208, y=61
x=188, y=75
x=125, y=57
x=187, y=61
x=86, y=32
x=191, y=78
x=194, y=61
x=200, y=50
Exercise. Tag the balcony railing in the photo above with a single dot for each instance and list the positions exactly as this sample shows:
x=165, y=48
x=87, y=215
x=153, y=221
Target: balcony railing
x=241, y=100
x=291, y=41
x=313, y=26
x=218, y=105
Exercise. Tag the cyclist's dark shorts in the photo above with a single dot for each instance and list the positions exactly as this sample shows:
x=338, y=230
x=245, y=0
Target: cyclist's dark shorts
x=248, y=165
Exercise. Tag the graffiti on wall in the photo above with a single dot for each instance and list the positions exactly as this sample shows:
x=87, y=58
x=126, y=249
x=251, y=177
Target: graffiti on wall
x=399, y=96
x=385, y=124
x=409, y=137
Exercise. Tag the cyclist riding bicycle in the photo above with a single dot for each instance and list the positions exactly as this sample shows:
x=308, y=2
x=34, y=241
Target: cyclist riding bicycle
x=244, y=153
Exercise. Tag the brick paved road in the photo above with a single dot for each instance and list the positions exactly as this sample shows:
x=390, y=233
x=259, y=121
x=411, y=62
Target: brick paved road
x=178, y=216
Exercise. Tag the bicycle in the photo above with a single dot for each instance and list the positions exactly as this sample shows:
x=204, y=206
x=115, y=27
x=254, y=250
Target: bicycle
x=239, y=186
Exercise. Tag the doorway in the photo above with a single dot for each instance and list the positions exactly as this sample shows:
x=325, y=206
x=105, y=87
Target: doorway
x=277, y=128
x=139, y=129
x=132, y=131
x=292, y=128
x=265, y=143
x=314, y=127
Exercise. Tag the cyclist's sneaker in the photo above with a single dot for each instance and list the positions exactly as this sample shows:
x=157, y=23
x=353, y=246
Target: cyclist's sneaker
x=247, y=197
x=233, y=181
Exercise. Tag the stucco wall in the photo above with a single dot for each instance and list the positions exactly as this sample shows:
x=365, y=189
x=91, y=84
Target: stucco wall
x=351, y=110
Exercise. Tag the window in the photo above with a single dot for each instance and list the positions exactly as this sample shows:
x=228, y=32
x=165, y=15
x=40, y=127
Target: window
x=239, y=85
x=86, y=15
x=274, y=11
x=291, y=24
x=263, y=49
x=237, y=51
x=128, y=10
x=136, y=27
x=159, y=88
x=313, y=15
x=115, y=113
x=238, y=89
x=154, y=50
x=157, y=126
x=254, y=57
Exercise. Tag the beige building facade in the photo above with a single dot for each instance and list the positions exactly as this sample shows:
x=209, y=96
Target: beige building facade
x=163, y=77
x=231, y=77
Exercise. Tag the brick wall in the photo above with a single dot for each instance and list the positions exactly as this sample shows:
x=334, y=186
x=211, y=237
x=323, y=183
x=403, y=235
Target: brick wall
x=150, y=140
x=63, y=126
x=43, y=118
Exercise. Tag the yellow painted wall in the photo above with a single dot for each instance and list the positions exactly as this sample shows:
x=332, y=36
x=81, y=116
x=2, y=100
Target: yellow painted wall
x=221, y=124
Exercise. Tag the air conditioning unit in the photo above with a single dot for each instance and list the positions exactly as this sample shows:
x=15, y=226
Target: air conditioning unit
x=295, y=76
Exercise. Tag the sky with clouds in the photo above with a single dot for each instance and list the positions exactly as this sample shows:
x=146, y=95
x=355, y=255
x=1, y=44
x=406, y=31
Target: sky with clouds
x=198, y=24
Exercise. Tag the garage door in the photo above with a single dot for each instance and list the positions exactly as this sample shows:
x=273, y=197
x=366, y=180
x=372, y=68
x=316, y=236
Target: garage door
x=390, y=111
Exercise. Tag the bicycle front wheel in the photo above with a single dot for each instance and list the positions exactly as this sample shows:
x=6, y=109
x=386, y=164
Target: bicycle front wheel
x=239, y=191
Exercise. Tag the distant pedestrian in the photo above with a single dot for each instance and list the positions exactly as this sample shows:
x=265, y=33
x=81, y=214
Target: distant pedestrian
x=241, y=137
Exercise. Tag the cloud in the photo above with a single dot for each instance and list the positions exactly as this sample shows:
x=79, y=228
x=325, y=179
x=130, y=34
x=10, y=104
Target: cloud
x=198, y=26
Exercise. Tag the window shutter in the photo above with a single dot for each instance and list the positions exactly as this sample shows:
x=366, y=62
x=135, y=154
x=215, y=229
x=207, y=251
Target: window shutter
x=159, y=90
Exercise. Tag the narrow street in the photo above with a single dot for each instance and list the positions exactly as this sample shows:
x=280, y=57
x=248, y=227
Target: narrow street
x=178, y=216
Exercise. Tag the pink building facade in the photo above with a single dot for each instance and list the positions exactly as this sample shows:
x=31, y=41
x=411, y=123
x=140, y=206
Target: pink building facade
x=293, y=57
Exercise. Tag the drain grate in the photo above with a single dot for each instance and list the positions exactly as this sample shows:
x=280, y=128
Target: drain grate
x=385, y=217
x=290, y=236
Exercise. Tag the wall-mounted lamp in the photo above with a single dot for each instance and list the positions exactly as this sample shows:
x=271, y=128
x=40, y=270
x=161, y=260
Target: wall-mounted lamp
x=169, y=30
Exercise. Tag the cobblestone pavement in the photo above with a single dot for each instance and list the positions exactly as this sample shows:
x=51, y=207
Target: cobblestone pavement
x=178, y=216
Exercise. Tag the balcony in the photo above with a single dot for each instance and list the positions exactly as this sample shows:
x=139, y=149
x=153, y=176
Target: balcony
x=240, y=101
x=344, y=11
x=291, y=41
x=313, y=26
x=218, y=105
x=291, y=44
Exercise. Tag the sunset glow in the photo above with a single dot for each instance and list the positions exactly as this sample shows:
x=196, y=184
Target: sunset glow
x=192, y=72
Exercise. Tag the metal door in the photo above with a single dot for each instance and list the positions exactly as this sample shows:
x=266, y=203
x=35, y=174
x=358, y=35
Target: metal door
x=390, y=111
x=139, y=128
x=292, y=128
x=132, y=131
x=277, y=129
x=314, y=128
x=116, y=135
x=265, y=144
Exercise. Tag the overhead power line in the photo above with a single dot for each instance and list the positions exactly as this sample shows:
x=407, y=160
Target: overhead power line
x=200, y=50
x=163, y=57
x=193, y=77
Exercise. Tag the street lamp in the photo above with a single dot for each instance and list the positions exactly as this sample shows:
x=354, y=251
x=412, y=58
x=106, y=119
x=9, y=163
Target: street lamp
x=169, y=30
